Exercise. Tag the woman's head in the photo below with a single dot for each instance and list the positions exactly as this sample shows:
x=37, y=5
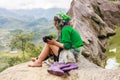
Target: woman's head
x=61, y=19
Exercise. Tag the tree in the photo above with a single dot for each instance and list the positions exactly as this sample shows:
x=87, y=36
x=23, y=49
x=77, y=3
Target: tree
x=20, y=39
x=33, y=50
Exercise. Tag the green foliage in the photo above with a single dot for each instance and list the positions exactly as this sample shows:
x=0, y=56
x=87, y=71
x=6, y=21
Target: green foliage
x=113, y=0
x=20, y=39
x=114, y=42
x=3, y=62
x=13, y=61
x=3, y=67
x=23, y=41
x=52, y=34
x=33, y=50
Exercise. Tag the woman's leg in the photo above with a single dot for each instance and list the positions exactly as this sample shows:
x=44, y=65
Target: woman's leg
x=46, y=50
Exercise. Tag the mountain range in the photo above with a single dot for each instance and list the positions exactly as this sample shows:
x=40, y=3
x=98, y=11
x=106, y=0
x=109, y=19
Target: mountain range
x=27, y=19
x=39, y=21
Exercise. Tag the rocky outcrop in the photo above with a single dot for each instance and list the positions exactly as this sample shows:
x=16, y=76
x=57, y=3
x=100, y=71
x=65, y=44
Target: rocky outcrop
x=95, y=21
x=87, y=71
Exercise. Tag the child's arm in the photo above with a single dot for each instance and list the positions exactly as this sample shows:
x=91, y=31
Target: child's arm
x=54, y=42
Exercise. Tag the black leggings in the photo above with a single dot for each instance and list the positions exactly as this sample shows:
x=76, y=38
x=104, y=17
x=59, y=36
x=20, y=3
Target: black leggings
x=56, y=58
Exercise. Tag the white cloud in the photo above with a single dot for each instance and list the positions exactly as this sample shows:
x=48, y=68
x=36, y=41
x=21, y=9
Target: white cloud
x=23, y=4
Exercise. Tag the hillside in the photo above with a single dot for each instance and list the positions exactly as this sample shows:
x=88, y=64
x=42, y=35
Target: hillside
x=20, y=19
x=29, y=20
x=34, y=13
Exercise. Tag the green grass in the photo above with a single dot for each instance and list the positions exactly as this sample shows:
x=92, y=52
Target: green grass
x=114, y=42
x=113, y=0
x=4, y=57
x=9, y=59
x=9, y=54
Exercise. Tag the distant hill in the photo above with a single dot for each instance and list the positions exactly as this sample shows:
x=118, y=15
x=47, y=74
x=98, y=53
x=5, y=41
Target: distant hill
x=39, y=21
x=31, y=13
x=23, y=18
x=27, y=19
x=39, y=13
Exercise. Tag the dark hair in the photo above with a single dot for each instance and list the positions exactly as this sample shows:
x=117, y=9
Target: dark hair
x=61, y=22
x=57, y=19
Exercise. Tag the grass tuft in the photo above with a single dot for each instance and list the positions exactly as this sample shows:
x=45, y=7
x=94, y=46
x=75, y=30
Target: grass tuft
x=114, y=42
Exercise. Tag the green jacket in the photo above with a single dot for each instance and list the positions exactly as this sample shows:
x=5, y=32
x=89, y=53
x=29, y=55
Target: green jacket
x=70, y=38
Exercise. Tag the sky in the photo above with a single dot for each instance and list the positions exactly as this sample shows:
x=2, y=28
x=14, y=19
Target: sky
x=29, y=4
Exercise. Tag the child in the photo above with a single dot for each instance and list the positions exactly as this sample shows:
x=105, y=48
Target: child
x=69, y=40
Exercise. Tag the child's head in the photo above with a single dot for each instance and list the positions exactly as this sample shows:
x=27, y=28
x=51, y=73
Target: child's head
x=61, y=19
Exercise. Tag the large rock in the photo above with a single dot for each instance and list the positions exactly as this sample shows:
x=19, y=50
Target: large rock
x=95, y=20
x=86, y=71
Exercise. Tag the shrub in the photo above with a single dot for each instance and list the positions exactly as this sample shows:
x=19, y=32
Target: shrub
x=14, y=60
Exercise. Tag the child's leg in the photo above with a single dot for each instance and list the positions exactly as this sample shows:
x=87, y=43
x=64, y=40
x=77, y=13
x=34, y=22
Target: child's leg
x=46, y=50
x=48, y=56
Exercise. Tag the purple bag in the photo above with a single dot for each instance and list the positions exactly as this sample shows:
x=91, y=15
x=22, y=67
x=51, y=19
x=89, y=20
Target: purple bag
x=71, y=67
x=59, y=68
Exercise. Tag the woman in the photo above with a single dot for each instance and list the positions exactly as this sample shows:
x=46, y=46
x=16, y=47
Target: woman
x=69, y=40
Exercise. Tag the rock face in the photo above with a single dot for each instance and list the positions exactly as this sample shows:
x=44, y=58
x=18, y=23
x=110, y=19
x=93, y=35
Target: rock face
x=95, y=21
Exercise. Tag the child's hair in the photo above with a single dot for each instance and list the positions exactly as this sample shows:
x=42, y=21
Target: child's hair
x=62, y=18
